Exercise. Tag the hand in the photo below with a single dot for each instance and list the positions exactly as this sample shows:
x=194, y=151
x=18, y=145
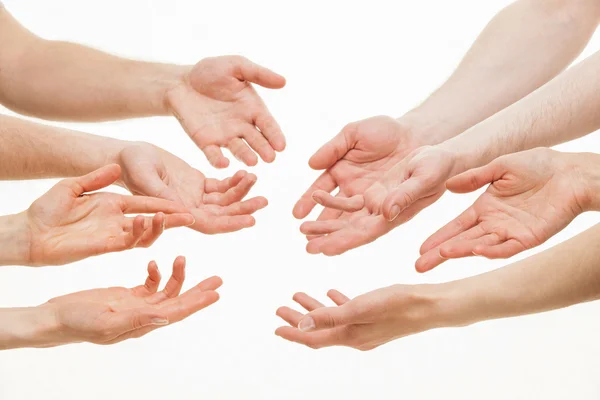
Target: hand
x=67, y=225
x=218, y=107
x=107, y=316
x=393, y=197
x=364, y=323
x=533, y=195
x=217, y=206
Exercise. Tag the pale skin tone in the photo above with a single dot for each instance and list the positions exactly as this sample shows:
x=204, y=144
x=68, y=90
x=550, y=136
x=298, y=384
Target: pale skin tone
x=213, y=100
x=32, y=151
x=107, y=316
x=67, y=224
x=381, y=197
x=562, y=276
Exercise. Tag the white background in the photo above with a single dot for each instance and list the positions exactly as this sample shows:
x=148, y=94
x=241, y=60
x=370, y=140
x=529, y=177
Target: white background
x=344, y=61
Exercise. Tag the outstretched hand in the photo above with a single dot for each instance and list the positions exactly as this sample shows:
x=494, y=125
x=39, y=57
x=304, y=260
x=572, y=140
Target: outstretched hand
x=388, y=198
x=363, y=323
x=107, y=316
x=532, y=196
x=218, y=206
x=218, y=107
x=67, y=225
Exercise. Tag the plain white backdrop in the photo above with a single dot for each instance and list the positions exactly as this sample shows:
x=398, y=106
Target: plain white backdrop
x=344, y=61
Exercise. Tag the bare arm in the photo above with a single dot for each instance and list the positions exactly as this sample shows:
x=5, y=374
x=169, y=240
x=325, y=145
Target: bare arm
x=524, y=46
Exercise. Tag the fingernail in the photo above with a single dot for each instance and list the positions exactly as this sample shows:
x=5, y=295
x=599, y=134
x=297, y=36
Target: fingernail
x=394, y=212
x=307, y=324
x=159, y=321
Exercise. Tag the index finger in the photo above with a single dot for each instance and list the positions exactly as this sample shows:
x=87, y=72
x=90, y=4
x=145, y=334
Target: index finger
x=149, y=205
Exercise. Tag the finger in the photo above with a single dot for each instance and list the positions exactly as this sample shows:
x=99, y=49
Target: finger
x=462, y=223
x=245, y=207
x=221, y=186
x=326, y=318
x=233, y=194
x=314, y=340
x=289, y=315
x=348, y=204
x=178, y=220
x=271, y=130
x=154, y=186
x=307, y=302
x=248, y=71
x=157, y=227
x=313, y=228
x=150, y=205
x=152, y=281
x=325, y=182
x=210, y=224
x=326, y=215
x=174, y=285
x=340, y=241
x=259, y=144
x=138, y=228
x=502, y=250
x=465, y=248
x=429, y=260
x=402, y=197
x=95, y=180
x=330, y=152
x=475, y=178
x=121, y=322
x=338, y=297
x=212, y=283
x=242, y=152
x=215, y=156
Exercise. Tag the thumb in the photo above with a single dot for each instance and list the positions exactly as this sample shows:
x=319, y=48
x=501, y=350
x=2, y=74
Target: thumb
x=130, y=320
x=330, y=152
x=96, y=180
x=251, y=72
x=400, y=198
x=153, y=186
x=326, y=318
x=475, y=178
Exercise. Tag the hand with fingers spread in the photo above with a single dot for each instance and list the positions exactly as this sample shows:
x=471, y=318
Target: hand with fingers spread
x=532, y=196
x=112, y=315
x=217, y=206
x=389, y=199
x=363, y=323
x=67, y=225
x=218, y=107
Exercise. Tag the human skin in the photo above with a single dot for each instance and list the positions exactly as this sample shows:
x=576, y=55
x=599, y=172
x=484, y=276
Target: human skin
x=562, y=276
x=523, y=47
x=213, y=100
x=68, y=224
x=532, y=195
x=32, y=151
x=107, y=316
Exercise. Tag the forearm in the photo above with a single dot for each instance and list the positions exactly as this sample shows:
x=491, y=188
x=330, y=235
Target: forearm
x=66, y=81
x=31, y=151
x=28, y=327
x=564, y=275
x=562, y=110
x=523, y=47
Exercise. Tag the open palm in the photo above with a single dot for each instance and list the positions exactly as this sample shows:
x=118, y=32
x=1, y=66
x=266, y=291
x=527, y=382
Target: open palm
x=532, y=196
x=218, y=107
x=67, y=225
x=218, y=206
x=106, y=316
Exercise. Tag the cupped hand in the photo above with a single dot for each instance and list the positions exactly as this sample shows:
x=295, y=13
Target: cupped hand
x=218, y=107
x=363, y=323
x=107, y=316
x=67, y=225
x=391, y=199
x=532, y=196
x=218, y=206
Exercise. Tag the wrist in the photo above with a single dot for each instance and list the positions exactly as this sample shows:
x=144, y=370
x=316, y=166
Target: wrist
x=585, y=178
x=15, y=240
x=29, y=327
x=426, y=128
x=171, y=91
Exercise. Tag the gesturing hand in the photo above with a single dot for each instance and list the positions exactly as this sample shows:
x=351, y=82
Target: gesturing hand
x=364, y=323
x=387, y=200
x=66, y=225
x=532, y=196
x=217, y=206
x=218, y=107
x=107, y=316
